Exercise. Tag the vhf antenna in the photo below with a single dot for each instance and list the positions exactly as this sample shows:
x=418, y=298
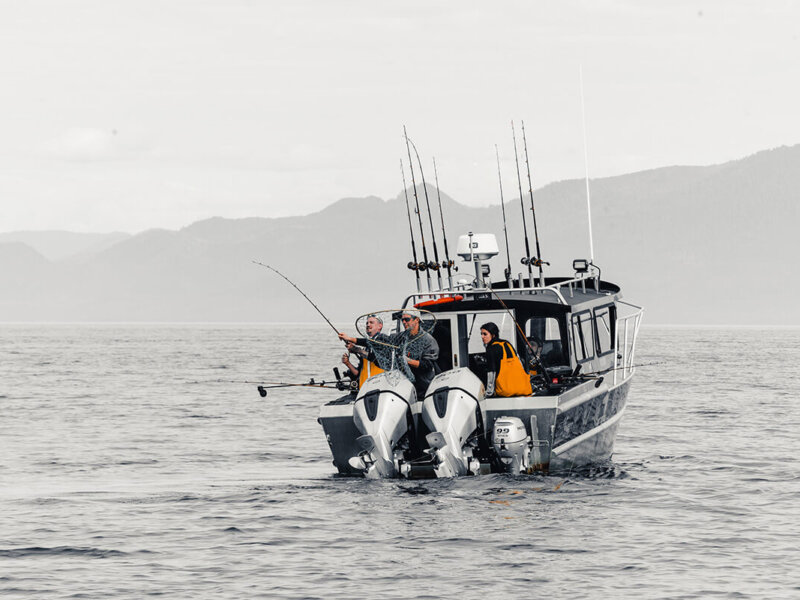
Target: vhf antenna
x=434, y=265
x=538, y=260
x=448, y=262
x=424, y=265
x=505, y=227
x=526, y=260
x=586, y=163
x=414, y=266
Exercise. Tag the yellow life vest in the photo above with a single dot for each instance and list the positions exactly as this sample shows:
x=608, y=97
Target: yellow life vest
x=368, y=369
x=512, y=379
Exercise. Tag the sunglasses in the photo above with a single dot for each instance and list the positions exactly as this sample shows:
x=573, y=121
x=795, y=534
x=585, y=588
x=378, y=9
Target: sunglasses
x=407, y=319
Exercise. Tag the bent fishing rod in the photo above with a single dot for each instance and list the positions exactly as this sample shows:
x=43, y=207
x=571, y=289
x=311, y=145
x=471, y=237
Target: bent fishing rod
x=448, y=261
x=538, y=260
x=527, y=259
x=505, y=227
x=414, y=266
x=424, y=265
x=301, y=291
x=435, y=266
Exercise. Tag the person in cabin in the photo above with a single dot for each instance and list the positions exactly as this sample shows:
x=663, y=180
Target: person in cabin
x=534, y=355
x=505, y=374
x=368, y=364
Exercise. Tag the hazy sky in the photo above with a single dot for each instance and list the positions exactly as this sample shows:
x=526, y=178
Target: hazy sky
x=127, y=115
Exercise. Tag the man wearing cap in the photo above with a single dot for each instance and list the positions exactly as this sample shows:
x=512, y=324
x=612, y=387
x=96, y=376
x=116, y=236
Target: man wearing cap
x=416, y=346
x=368, y=364
x=421, y=351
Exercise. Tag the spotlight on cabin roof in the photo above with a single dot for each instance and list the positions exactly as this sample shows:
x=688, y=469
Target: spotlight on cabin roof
x=477, y=246
x=581, y=265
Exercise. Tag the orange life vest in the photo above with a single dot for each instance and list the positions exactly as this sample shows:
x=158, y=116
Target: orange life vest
x=368, y=369
x=511, y=379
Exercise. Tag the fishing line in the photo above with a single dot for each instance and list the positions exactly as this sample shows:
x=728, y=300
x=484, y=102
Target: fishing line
x=301, y=291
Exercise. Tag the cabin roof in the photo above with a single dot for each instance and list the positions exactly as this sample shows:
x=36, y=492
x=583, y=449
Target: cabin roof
x=559, y=294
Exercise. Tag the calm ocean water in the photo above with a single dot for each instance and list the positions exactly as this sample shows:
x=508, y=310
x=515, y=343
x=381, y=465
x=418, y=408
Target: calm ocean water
x=133, y=462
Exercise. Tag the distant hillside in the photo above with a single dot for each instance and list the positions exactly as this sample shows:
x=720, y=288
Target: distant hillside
x=692, y=244
x=58, y=245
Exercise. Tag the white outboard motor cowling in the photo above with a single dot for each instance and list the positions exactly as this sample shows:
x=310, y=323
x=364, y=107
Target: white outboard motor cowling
x=511, y=444
x=381, y=413
x=453, y=411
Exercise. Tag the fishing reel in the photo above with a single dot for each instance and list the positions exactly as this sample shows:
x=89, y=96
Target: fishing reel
x=433, y=266
x=533, y=261
x=342, y=384
x=420, y=266
x=449, y=264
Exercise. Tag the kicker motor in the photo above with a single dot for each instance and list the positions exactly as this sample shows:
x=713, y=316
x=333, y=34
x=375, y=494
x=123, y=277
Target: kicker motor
x=511, y=444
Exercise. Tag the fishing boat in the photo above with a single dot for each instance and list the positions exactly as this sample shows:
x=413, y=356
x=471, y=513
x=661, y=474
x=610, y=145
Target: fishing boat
x=575, y=337
x=580, y=381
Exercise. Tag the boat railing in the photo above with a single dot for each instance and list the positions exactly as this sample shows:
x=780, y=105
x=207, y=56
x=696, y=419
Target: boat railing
x=627, y=330
x=554, y=288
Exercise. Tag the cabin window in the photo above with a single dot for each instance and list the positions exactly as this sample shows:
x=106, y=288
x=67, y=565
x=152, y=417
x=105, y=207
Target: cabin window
x=582, y=336
x=604, y=330
x=548, y=331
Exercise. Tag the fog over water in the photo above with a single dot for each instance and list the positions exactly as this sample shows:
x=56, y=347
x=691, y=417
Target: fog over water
x=135, y=463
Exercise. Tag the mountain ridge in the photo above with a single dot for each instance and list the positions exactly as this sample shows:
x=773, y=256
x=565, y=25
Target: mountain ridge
x=683, y=241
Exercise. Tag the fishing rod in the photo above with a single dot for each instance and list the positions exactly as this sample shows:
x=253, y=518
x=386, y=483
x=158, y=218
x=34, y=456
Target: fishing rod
x=423, y=266
x=505, y=227
x=325, y=385
x=526, y=260
x=301, y=291
x=536, y=357
x=538, y=260
x=271, y=384
x=414, y=266
x=263, y=386
x=650, y=364
x=435, y=266
x=448, y=262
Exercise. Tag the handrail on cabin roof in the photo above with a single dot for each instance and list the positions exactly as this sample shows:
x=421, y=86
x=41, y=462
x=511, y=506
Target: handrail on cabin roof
x=553, y=287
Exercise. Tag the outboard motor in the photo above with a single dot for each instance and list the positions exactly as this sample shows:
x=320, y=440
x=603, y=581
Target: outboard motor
x=382, y=413
x=511, y=444
x=453, y=411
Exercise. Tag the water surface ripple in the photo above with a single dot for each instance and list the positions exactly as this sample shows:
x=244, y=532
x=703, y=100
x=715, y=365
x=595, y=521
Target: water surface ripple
x=133, y=463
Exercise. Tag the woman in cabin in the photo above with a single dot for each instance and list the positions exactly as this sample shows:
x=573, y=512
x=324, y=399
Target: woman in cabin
x=505, y=374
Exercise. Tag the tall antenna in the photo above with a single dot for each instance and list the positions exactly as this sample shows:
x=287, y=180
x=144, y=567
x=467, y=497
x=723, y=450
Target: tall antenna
x=586, y=163
x=412, y=265
x=447, y=262
x=419, y=216
x=527, y=259
x=533, y=209
x=505, y=227
x=436, y=266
